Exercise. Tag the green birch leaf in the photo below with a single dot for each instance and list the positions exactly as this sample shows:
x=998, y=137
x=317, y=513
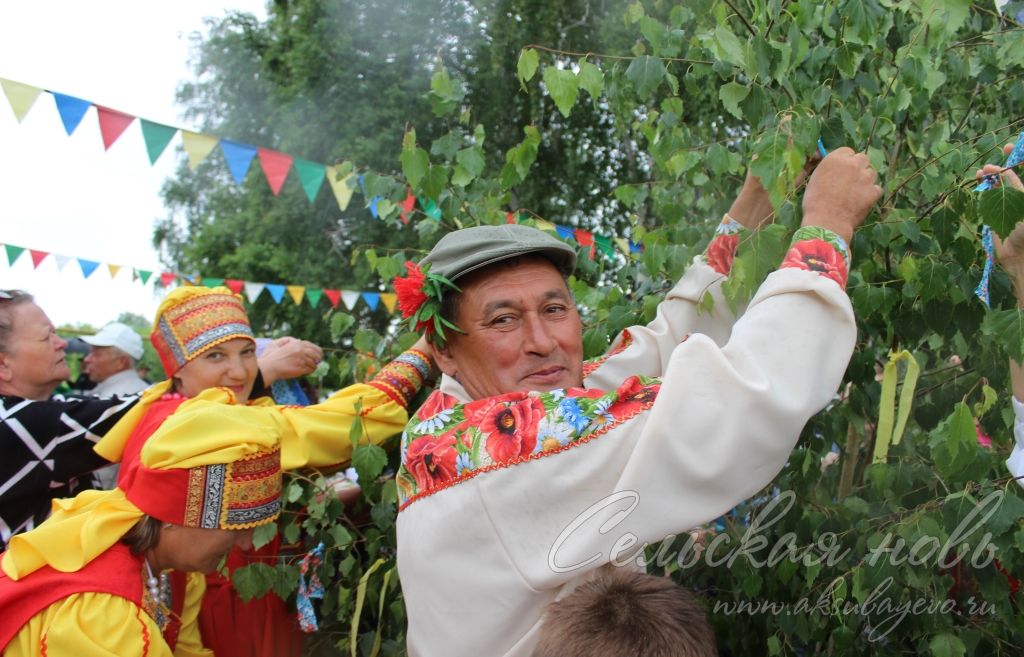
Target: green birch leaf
x=1007, y=328
x=731, y=95
x=646, y=73
x=591, y=79
x=1001, y=208
x=562, y=87
x=264, y=534
x=947, y=645
x=526, y=67
x=472, y=159
x=728, y=47
x=369, y=461
x=414, y=165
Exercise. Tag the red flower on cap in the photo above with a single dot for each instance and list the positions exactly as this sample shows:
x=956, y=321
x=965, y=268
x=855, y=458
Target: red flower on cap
x=419, y=298
x=410, y=290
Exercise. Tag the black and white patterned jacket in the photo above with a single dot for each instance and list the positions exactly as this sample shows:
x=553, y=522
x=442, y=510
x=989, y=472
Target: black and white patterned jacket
x=46, y=453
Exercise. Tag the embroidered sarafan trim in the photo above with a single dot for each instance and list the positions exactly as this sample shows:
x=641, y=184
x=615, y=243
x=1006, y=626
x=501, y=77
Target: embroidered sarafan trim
x=594, y=363
x=448, y=443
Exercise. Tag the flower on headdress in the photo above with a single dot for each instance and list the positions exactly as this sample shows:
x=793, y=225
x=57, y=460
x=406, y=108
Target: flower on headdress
x=410, y=290
x=419, y=298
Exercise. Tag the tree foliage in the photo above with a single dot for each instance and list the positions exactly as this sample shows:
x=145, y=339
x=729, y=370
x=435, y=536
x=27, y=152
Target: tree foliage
x=639, y=120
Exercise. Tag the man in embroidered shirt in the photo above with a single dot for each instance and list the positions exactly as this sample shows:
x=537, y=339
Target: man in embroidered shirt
x=528, y=469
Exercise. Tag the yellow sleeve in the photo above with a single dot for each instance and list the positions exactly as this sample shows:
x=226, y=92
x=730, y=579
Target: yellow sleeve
x=316, y=435
x=190, y=644
x=89, y=625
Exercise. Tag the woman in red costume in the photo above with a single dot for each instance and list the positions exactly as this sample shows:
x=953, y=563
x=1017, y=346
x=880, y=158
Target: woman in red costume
x=206, y=345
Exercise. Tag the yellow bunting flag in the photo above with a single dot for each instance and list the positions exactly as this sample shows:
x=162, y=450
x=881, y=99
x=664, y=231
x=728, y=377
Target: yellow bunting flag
x=886, y=433
x=340, y=186
x=113, y=269
x=21, y=96
x=198, y=146
x=296, y=292
x=389, y=299
x=545, y=225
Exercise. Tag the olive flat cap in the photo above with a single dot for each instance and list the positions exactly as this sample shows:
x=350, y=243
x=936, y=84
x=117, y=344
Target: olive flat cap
x=463, y=251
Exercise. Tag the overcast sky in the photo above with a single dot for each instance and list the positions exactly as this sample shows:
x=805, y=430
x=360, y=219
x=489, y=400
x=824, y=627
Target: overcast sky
x=66, y=194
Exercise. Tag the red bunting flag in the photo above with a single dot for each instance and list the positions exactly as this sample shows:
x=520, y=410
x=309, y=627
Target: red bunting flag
x=37, y=257
x=112, y=124
x=407, y=206
x=234, y=284
x=276, y=166
x=585, y=238
x=510, y=217
x=334, y=296
x=166, y=278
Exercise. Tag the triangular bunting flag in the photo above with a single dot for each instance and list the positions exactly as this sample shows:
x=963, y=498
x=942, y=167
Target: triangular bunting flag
x=62, y=261
x=156, y=136
x=430, y=208
x=311, y=175
x=296, y=292
x=407, y=206
x=253, y=290
x=37, y=257
x=276, y=292
x=113, y=269
x=143, y=275
x=167, y=277
x=605, y=244
x=71, y=110
x=565, y=232
x=276, y=166
x=112, y=124
x=239, y=157
x=371, y=299
x=545, y=225
x=362, y=184
x=510, y=217
x=373, y=207
x=88, y=267
x=635, y=248
x=342, y=188
x=623, y=244
x=586, y=239
x=20, y=96
x=349, y=298
x=13, y=253
x=234, y=284
x=389, y=299
x=197, y=146
x=212, y=282
x=314, y=294
x=334, y=296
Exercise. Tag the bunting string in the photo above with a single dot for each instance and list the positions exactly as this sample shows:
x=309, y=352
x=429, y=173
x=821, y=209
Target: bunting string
x=250, y=290
x=275, y=165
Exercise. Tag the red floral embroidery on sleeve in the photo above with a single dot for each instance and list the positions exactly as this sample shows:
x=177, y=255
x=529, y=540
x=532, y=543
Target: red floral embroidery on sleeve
x=721, y=252
x=818, y=256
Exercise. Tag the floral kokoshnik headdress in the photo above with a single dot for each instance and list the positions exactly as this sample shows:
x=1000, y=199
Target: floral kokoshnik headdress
x=419, y=298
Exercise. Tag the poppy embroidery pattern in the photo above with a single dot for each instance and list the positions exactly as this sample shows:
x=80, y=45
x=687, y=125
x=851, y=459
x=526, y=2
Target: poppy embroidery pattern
x=722, y=250
x=448, y=442
x=819, y=250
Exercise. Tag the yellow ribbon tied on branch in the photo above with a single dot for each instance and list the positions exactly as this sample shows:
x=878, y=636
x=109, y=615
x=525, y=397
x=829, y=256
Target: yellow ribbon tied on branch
x=887, y=434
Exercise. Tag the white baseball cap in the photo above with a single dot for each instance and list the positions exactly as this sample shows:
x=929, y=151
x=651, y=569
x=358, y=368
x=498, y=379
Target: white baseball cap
x=117, y=335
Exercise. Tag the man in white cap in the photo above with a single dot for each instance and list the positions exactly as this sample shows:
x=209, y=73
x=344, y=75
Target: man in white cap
x=113, y=356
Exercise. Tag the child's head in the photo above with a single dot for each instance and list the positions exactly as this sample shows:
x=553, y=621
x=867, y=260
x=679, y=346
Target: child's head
x=622, y=613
